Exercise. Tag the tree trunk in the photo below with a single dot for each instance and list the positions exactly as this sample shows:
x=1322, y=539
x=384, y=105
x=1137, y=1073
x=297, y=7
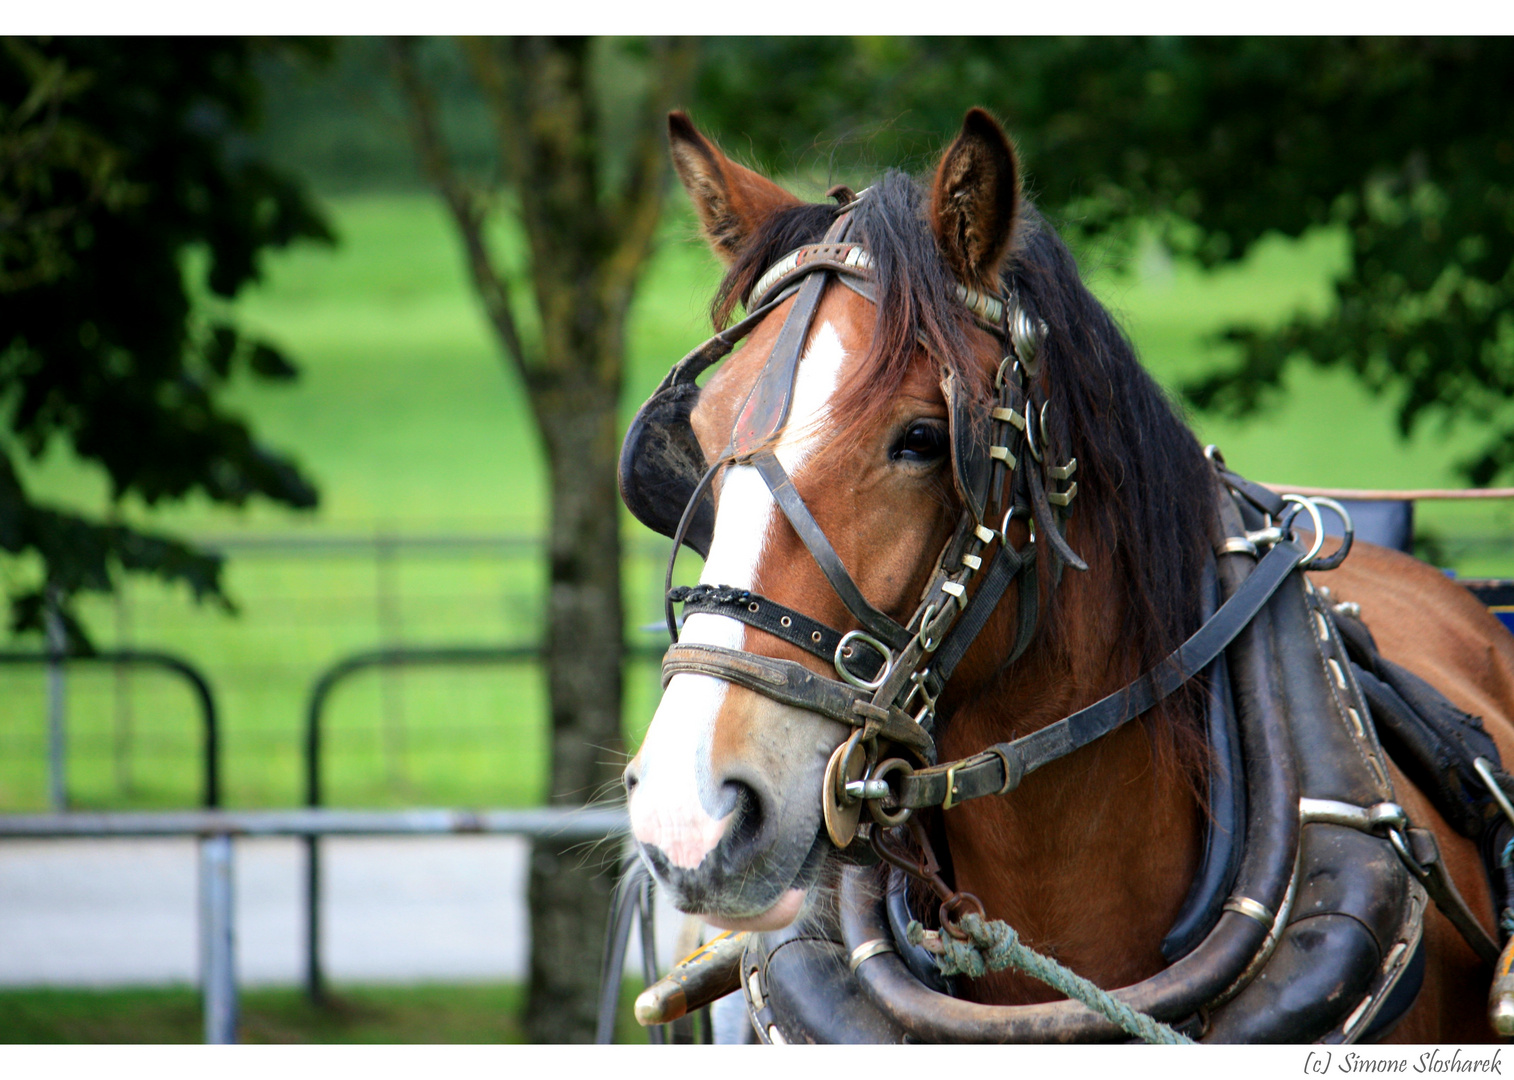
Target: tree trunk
x=570, y=885
x=587, y=246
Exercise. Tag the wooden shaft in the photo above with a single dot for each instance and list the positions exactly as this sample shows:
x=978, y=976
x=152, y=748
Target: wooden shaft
x=711, y=971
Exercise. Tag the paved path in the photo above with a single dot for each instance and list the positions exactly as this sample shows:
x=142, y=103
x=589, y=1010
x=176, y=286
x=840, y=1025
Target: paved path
x=124, y=912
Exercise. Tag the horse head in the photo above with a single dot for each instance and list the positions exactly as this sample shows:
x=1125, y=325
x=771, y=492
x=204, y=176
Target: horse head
x=883, y=481
x=725, y=793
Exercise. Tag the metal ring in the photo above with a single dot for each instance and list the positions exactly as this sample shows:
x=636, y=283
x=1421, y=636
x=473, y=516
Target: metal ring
x=875, y=807
x=1236, y=545
x=928, y=639
x=1339, y=555
x=1252, y=909
x=951, y=905
x=1319, y=525
x=1030, y=434
x=869, y=949
x=1009, y=515
x=999, y=375
x=925, y=642
x=868, y=639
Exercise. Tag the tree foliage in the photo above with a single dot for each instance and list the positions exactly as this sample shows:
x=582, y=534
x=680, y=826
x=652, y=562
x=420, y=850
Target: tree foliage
x=123, y=163
x=1405, y=145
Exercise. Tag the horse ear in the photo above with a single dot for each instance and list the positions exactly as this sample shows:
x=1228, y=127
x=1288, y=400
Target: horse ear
x=732, y=201
x=974, y=201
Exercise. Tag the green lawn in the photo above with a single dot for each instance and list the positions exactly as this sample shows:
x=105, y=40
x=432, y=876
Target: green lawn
x=357, y=1014
x=412, y=424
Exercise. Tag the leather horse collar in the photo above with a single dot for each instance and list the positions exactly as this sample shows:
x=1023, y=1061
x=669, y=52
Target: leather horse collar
x=1318, y=898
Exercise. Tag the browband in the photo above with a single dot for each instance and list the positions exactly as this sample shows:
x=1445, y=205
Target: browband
x=852, y=260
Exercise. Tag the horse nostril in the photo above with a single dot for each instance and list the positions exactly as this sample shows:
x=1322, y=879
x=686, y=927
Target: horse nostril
x=745, y=807
x=630, y=778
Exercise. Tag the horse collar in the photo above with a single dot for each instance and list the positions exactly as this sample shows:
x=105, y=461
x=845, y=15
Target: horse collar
x=1318, y=901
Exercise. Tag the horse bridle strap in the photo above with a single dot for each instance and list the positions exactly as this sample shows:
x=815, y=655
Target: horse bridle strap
x=781, y=621
x=1001, y=767
x=813, y=536
x=890, y=679
x=794, y=684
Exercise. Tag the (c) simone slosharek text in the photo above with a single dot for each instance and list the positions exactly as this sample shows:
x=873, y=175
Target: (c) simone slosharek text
x=1319, y=1062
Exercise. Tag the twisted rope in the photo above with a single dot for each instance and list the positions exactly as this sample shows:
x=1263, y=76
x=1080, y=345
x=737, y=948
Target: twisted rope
x=698, y=594
x=993, y=945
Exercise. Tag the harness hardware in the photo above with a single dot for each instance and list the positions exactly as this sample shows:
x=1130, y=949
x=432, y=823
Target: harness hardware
x=1244, y=905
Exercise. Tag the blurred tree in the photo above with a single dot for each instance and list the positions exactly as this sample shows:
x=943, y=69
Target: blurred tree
x=581, y=165
x=1406, y=145
x=122, y=163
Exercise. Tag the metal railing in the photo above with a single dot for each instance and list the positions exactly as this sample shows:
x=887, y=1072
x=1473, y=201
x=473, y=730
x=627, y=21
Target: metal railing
x=320, y=694
x=210, y=790
x=217, y=828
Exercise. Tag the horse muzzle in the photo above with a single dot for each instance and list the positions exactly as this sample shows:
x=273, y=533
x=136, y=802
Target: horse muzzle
x=725, y=810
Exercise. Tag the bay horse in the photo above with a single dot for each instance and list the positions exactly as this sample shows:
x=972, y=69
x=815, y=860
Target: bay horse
x=1090, y=857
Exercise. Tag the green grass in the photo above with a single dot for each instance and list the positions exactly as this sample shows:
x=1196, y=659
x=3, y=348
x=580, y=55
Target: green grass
x=410, y=420
x=357, y=1014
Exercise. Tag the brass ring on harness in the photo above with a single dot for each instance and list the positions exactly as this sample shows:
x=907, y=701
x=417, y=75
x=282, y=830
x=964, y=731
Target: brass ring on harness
x=841, y=812
x=882, y=771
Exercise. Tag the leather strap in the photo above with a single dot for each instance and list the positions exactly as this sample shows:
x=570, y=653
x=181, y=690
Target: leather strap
x=1427, y=866
x=766, y=408
x=794, y=684
x=689, y=510
x=873, y=621
x=1007, y=565
x=1047, y=525
x=784, y=622
x=1001, y=767
x=1264, y=499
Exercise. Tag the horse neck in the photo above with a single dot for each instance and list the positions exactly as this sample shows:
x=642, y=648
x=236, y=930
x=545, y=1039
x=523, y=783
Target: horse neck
x=1091, y=857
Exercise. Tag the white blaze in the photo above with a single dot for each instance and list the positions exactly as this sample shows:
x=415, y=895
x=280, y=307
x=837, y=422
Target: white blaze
x=668, y=807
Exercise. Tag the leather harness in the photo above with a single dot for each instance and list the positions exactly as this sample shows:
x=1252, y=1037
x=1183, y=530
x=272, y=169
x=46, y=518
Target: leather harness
x=1332, y=811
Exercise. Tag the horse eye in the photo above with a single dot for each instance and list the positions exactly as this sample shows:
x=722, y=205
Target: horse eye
x=922, y=441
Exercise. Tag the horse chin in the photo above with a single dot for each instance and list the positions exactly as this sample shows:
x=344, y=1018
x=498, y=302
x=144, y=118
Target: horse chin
x=785, y=911
x=787, y=905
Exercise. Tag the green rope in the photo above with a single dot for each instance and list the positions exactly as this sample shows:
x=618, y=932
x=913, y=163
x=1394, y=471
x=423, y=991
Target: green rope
x=994, y=945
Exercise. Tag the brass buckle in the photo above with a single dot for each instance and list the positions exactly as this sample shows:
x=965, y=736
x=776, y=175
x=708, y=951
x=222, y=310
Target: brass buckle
x=951, y=786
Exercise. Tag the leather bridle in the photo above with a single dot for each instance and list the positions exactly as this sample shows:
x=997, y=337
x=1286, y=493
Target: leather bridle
x=890, y=674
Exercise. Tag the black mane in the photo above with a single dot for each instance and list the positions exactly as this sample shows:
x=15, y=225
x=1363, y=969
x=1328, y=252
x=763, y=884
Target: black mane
x=1144, y=488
